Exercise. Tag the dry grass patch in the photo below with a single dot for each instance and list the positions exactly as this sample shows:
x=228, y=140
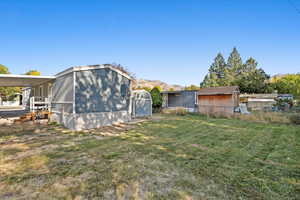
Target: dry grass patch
x=266, y=117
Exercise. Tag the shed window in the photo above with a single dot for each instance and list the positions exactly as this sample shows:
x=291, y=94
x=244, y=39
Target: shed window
x=124, y=90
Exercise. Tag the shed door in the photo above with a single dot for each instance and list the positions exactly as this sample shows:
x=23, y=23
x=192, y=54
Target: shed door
x=142, y=107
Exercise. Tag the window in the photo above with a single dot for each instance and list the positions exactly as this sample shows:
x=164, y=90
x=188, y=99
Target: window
x=124, y=90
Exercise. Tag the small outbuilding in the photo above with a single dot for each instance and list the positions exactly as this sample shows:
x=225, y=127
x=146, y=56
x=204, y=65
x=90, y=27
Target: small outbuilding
x=141, y=104
x=184, y=98
x=218, y=100
x=92, y=96
x=259, y=102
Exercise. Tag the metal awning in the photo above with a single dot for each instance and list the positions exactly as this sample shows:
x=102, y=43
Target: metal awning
x=11, y=80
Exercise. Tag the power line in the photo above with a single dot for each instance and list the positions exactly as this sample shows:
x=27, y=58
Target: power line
x=294, y=6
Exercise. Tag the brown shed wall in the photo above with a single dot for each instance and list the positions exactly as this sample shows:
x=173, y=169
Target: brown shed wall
x=221, y=104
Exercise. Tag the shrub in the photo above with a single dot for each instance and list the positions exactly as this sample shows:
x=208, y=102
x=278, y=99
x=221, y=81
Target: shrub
x=156, y=99
x=295, y=119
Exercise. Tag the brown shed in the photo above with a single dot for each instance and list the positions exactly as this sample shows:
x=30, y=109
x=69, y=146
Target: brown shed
x=218, y=100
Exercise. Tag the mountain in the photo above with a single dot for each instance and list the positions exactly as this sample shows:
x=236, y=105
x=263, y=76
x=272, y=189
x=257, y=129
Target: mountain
x=141, y=83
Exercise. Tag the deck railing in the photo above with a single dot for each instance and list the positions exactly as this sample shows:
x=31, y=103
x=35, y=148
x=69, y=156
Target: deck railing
x=39, y=103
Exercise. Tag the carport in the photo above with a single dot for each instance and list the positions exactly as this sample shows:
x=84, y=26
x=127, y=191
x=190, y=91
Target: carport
x=29, y=81
x=11, y=80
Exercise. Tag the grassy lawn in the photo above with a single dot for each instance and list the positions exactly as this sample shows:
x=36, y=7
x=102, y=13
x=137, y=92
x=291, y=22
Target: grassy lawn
x=171, y=157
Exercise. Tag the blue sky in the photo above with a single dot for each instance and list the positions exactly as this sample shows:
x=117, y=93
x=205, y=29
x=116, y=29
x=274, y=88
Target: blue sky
x=169, y=40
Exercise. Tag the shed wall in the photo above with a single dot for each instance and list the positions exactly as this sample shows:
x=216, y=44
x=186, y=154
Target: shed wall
x=260, y=105
x=62, y=94
x=223, y=104
x=185, y=99
x=141, y=103
x=101, y=90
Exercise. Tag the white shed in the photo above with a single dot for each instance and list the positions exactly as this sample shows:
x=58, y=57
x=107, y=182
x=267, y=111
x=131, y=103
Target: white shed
x=141, y=104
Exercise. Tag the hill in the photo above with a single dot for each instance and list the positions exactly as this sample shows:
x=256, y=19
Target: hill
x=141, y=83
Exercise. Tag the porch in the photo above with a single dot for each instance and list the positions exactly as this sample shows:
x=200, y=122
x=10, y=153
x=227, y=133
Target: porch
x=36, y=91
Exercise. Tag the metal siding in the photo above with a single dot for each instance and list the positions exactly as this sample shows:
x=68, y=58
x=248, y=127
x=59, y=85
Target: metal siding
x=189, y=98
x=184, y=99
x=142, y=104
x=99, y=90
x=143, y=108
x=62, y=92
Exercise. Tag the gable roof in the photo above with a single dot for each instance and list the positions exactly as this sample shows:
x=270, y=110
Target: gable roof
x=219, y=90
x=177, y=91
x=92, y=67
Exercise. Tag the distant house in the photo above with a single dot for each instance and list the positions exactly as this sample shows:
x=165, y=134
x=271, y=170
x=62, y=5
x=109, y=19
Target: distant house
x=259, y=102
x=182, y=98
x=218, y=100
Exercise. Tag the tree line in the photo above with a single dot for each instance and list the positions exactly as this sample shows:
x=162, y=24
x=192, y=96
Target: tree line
x=248, y=76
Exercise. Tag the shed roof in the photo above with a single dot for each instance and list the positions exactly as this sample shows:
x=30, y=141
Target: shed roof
x=218, y=90
x=92, y=67
x=178, y=91
x=260, y=96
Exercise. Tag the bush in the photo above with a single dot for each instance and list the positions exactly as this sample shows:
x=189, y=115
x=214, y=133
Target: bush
x=156, y=99
x=295, y=119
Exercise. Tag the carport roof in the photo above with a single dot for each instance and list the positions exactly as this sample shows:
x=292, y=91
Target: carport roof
x=11, y=80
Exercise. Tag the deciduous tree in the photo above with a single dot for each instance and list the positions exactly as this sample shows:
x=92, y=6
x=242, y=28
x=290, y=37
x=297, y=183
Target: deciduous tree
x=156, y=98
x=33, y=73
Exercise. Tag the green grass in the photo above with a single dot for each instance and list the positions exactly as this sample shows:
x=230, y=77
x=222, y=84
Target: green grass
x=174, y=157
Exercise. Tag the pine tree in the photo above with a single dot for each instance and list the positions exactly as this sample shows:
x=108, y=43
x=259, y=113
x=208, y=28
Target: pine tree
x=218, y=66
x=216, y=74
x=247, y=76
x=235, y=63
x=251, y=79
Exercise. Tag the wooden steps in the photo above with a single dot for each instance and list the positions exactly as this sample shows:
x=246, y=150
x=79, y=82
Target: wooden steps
x=32, y=116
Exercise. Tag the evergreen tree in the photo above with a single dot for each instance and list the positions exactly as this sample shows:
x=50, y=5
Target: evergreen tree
x=235, y=62
x=253, y=80
x=234, y=67
x=216, y=73
x=218, y=66
x=247, y=76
